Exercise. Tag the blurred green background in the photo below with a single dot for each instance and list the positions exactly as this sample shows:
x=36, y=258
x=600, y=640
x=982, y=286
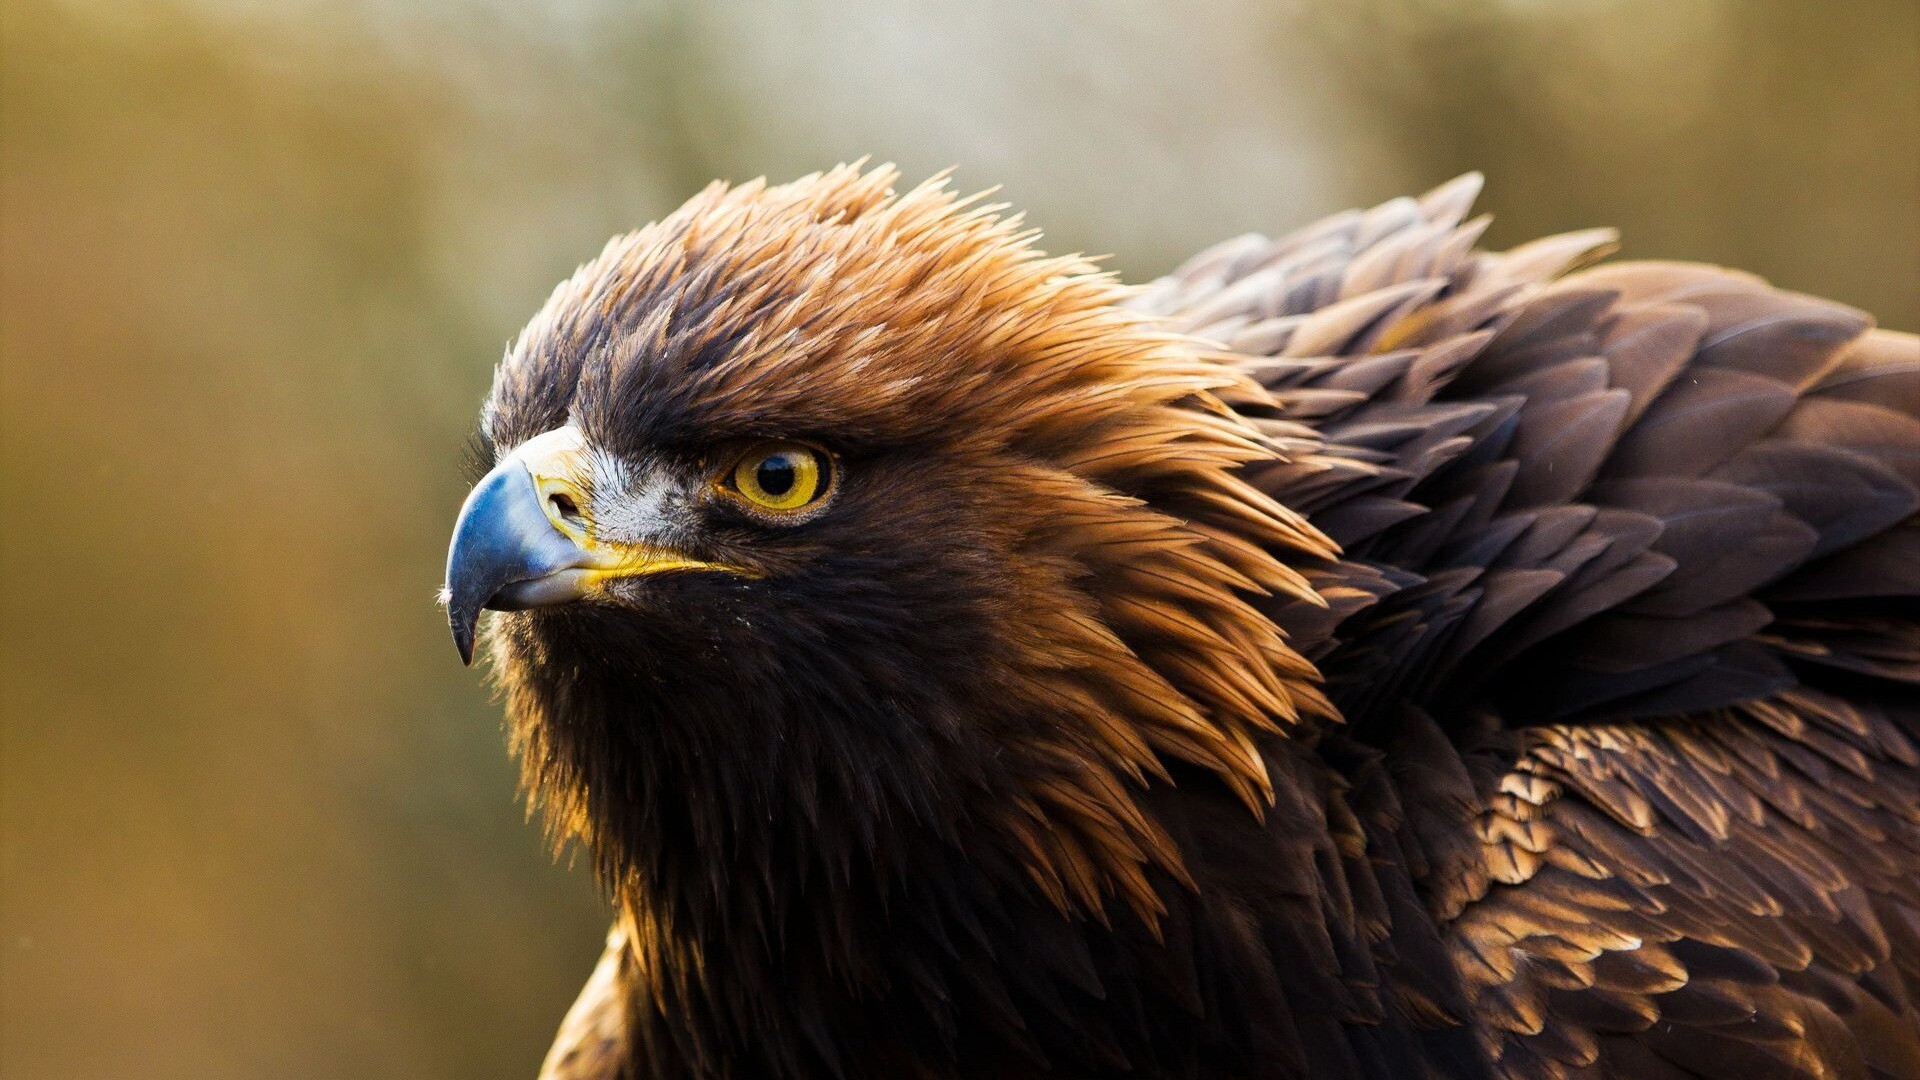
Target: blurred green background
x=259, y=258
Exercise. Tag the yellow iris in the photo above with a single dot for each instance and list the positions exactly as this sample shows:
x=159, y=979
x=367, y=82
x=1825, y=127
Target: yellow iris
x=780, y=476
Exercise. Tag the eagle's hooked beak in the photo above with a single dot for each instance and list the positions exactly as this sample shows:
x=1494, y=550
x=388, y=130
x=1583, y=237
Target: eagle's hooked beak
x=525, y=538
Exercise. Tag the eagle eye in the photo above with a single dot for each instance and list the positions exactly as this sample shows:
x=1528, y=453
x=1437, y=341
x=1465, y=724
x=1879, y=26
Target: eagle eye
x=782, y=477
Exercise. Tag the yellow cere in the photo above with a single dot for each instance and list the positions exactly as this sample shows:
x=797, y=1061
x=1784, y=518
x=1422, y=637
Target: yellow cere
x=557, y=461
x=561, y=468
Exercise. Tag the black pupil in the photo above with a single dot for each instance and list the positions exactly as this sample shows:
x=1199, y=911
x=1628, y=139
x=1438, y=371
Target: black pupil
x=776, y=475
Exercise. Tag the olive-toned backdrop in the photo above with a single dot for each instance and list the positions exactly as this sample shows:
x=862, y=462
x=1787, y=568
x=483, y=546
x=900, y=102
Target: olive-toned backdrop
x=258, y=259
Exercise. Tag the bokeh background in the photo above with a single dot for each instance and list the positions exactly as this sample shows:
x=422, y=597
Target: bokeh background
x=258, y=259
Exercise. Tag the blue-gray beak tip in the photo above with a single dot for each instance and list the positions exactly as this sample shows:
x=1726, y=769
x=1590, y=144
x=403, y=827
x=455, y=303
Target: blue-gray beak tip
x=502, y=538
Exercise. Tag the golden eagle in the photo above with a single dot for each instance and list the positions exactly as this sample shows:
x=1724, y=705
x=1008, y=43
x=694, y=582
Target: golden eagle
x=1355, y=655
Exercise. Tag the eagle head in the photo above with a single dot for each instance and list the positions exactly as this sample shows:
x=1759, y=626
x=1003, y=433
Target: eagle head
x=825, y=520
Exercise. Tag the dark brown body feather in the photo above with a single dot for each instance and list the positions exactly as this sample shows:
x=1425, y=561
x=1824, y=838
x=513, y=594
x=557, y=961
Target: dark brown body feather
x=1620, y=777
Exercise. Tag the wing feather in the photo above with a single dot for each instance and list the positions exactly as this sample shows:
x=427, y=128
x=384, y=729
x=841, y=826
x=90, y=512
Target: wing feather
x=1638, y=548
x=592, y=1043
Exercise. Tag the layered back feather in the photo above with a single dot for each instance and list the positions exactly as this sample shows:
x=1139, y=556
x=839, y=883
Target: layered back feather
x=1629, y=603
x=1626, y=475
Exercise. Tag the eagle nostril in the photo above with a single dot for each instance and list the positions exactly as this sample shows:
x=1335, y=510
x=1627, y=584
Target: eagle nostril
x=564, y=505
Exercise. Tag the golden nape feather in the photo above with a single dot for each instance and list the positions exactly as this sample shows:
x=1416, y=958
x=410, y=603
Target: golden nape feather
x=1353, y=655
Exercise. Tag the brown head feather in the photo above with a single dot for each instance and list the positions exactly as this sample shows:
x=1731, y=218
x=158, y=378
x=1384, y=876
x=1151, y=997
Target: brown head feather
x=1132, y=550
